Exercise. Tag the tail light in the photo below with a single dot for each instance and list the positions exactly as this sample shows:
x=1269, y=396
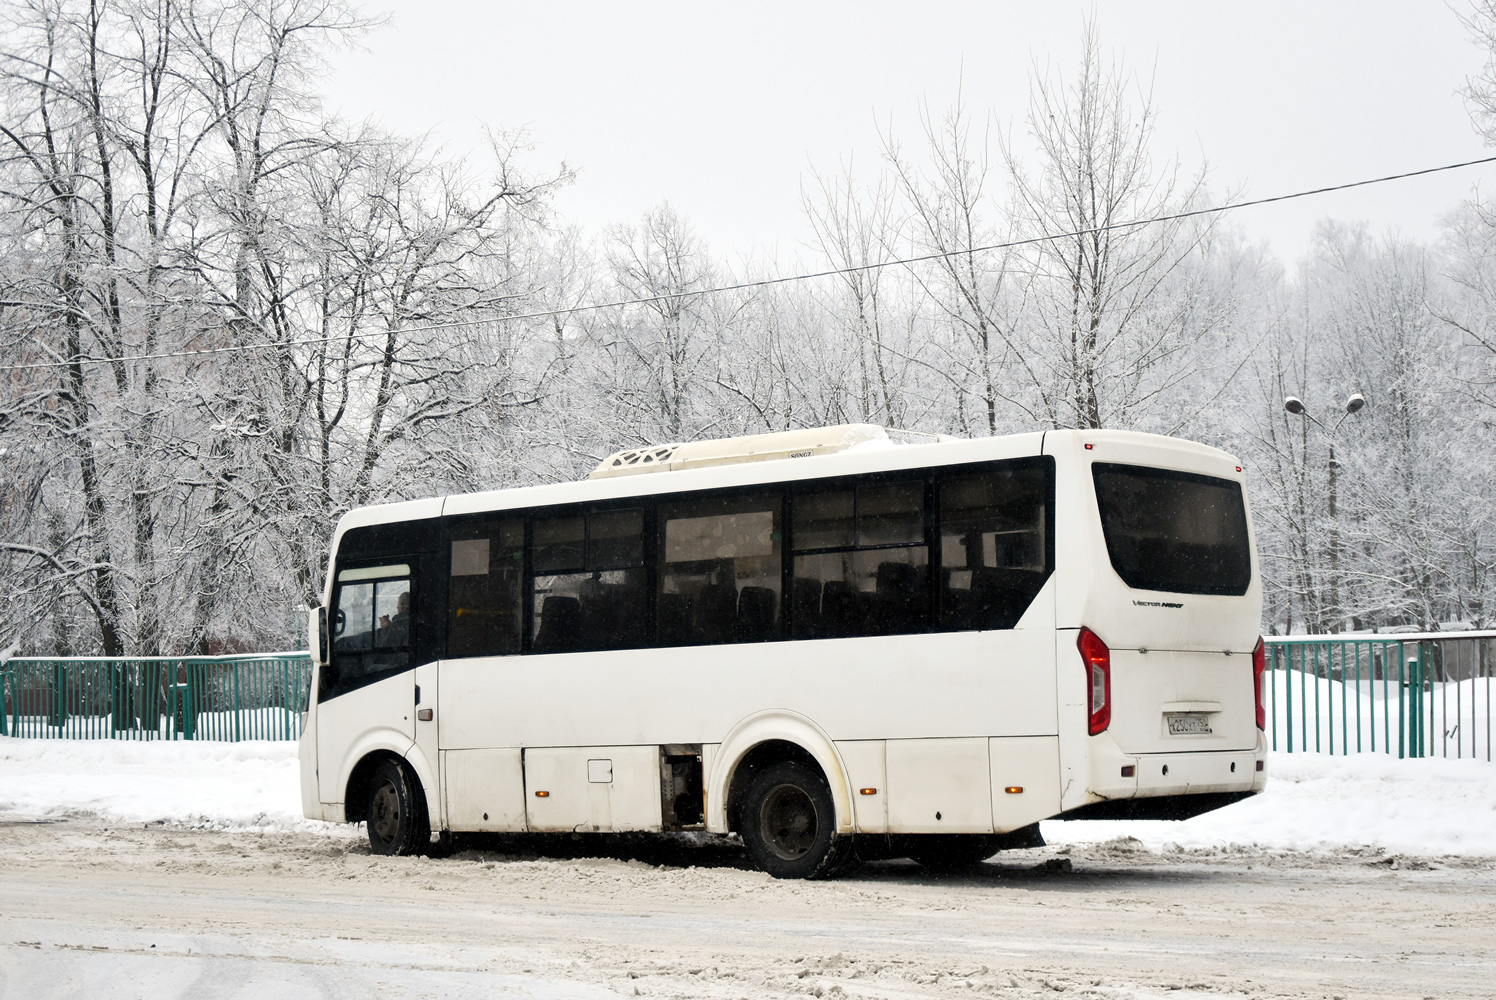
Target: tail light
x=1098, y=663
x=1259, y=665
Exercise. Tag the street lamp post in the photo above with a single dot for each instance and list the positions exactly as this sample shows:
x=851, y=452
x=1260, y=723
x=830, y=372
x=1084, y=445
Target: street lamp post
x=1296, y=406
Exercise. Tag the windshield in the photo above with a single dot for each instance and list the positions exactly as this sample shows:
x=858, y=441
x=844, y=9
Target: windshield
x=1174, y=531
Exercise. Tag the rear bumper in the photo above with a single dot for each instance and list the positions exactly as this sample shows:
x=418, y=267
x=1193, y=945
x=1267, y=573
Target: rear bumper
x=1181, y=775
x=1156, y=806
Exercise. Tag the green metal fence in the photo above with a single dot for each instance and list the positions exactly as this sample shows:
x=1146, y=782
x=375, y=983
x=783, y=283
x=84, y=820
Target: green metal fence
x=1412, y=695
x=230, y=698
x=1409, y=695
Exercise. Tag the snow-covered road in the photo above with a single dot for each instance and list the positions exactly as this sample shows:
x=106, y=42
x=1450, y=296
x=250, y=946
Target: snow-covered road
x=171, y=870
x=162, y=912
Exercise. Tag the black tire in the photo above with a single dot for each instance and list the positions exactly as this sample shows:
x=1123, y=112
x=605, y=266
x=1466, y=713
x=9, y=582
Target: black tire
x=948, y=852
x=788, y=824
x=396, y=813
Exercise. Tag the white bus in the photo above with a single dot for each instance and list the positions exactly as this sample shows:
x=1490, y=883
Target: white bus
x=834, y=645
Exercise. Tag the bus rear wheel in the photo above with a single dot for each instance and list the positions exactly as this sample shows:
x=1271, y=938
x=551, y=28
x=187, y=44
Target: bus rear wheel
x=788, y=824
x=396, y=813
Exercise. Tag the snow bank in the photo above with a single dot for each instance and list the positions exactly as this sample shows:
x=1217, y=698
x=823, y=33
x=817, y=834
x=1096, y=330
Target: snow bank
x=251, y=785
x=1313, y=802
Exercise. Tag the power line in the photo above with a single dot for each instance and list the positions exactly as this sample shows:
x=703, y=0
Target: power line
x=760, y=283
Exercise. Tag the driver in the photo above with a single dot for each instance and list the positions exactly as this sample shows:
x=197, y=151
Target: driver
x=395, y=631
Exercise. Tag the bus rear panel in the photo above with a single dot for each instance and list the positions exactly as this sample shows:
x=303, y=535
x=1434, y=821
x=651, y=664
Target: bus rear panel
x=1163, y=603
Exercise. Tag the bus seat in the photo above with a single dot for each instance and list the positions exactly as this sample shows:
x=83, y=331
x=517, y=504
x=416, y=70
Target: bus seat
x=901, y=596
x=560, y=625
x=999, y=595
x=805, y=605
x=602, y=613
x=840, y=609
x=615, y=617
x=755, y=614
x=674, y=616
x=716, y=608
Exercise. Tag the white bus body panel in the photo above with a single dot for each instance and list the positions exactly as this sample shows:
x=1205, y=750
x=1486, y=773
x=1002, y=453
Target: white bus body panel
x=593, y=789
x=378, y=716
x=423, y=754
x=1030, y=764
x=306, y=755
x=1148, y=687
x=888, y=687
x=939, y=786
x=484, y=790
x=863, y=760
x=860, y=690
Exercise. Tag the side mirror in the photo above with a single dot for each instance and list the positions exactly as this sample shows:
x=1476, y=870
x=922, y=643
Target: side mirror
x=316, y=640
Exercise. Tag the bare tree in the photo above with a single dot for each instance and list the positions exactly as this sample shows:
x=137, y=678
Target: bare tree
x=662, y=347
x=974, y=294
x=855, y=232
x=1107, y=300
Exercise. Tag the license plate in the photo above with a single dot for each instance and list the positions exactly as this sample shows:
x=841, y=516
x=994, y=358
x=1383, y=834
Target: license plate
x=1182, y=725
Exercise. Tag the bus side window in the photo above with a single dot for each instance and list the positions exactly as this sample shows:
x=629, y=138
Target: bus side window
x=861, y=565
x=588, y=586
x=993, y=545
x=484, y=593
x=720, y=571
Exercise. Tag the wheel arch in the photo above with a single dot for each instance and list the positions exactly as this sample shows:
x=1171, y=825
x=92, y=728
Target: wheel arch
x=356, y=790
x=356, y=786
x=765, y=738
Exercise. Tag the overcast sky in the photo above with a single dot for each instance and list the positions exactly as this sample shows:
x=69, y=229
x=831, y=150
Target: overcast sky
x=724, y=110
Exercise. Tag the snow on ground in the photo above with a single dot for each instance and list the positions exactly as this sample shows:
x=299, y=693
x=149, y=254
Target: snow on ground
x=250, y=785
x=1313, y=802
x=1316, y=802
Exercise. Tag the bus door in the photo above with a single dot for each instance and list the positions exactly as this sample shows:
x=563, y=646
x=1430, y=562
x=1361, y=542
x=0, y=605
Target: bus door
x=425, y=748
x=366, y=692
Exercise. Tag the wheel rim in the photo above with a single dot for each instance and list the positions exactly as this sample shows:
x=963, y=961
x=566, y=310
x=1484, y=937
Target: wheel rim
x=787, y=821
x=384, y=816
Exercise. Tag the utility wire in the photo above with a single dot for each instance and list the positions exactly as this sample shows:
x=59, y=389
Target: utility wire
x=760, y=283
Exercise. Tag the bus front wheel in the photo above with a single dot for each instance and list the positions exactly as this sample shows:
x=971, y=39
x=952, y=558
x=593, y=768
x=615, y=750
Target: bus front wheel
x=788, y=824
x=396, y=813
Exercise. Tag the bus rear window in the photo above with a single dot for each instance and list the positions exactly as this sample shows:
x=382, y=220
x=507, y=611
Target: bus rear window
x=1174, y=531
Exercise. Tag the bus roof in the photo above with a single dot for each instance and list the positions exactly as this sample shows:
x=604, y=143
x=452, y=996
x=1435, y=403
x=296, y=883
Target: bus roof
x=732, y=462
